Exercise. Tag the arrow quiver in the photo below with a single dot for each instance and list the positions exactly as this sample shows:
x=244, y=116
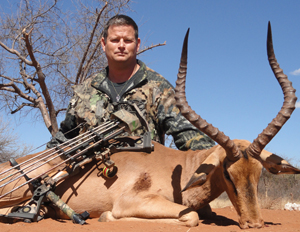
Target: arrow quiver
x=98, y=143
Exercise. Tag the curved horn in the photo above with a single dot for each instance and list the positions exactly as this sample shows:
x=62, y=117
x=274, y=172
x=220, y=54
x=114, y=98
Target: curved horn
x=286, y=110
x=231, y=149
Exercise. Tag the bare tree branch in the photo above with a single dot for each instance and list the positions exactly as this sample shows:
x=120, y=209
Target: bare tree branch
x=21, y=106
x=59, y=110
x=89, y=63
x=11, y=79
x=10, y=147
x=16, y=90
x=78, y=79
x=152, y=46
x=45, y=50
x=49, y=115
x=15, y=52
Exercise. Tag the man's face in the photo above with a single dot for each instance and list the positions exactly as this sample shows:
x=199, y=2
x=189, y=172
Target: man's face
x=121, y=45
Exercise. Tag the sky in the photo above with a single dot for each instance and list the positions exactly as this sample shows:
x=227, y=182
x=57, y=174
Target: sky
x=229, y=81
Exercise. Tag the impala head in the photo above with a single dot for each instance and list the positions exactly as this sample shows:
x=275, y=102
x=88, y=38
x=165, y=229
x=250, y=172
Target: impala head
x=240, y=161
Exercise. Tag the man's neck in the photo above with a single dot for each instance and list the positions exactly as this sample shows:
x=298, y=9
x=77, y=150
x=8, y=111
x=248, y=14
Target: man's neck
x=119, y=74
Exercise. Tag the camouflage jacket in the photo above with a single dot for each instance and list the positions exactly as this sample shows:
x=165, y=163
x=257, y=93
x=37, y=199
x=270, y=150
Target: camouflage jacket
x=151, y=92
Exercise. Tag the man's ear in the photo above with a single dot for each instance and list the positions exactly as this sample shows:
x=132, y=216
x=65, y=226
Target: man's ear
x=138, y=44
x=103, y=43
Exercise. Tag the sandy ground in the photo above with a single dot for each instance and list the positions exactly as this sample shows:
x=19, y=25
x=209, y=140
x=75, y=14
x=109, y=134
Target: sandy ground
x=225, y=220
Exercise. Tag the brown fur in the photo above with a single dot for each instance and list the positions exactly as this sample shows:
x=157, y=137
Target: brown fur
x=149, y=186
x=143, y=183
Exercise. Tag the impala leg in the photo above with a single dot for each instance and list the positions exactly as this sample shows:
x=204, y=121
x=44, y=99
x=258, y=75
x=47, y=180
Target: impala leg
x=205, y=212
x=151, y=208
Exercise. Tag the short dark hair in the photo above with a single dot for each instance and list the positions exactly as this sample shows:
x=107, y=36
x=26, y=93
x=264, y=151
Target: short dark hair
x=120, y=20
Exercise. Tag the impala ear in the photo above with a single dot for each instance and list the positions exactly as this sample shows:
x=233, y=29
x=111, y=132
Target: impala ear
x=200, y=175
x=276, y=165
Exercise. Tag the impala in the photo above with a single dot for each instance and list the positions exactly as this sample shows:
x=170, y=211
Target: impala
x=169, y=185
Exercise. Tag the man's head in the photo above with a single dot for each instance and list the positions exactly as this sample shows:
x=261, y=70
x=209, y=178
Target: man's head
x=120, y=42
x=120, y=20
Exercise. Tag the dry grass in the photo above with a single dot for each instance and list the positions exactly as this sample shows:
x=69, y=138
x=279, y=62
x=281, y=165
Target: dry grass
x=279, y=203
x=265, y=203
x=221, y=202
x=274, y=191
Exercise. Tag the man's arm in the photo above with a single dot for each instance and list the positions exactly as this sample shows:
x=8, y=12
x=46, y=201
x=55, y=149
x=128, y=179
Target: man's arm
x=67, y=129
x=185, y=135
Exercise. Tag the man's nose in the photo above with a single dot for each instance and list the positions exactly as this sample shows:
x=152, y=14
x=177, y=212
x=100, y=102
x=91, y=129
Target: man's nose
x=121, y=43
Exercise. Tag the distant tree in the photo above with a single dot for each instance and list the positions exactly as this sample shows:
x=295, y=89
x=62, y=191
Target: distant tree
x=47, y=47
x=9, y=143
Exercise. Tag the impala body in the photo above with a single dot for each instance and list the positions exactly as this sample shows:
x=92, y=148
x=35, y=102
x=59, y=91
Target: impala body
x=170, y=185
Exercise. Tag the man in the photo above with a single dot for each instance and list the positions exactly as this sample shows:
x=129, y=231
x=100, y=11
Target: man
x=127, y=79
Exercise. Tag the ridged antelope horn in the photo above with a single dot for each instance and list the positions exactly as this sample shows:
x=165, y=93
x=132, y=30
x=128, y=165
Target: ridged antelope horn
x=286, y=110
x=231, y=149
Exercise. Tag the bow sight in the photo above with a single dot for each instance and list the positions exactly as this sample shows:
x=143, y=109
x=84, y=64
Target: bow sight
x=98, y=143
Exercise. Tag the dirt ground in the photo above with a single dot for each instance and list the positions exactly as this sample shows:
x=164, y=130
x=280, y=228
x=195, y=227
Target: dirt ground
x=225, y=220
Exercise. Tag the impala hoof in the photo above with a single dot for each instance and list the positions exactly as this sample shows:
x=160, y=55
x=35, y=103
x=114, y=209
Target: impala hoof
x=252, y=224
x=190, y=219
x=106, y=217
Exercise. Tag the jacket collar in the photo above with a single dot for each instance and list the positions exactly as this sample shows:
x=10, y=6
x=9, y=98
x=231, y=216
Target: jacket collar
x=100, y=81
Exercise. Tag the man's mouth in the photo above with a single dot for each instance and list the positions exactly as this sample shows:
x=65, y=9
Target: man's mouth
x=121, y=53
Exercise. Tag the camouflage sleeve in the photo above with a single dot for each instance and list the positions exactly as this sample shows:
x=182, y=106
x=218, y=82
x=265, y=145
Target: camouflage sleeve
x=66, y=131
x=68, y=125
x=185, y=135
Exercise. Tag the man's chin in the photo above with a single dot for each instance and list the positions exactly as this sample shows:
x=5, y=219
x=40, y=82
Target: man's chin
x=121, y=59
